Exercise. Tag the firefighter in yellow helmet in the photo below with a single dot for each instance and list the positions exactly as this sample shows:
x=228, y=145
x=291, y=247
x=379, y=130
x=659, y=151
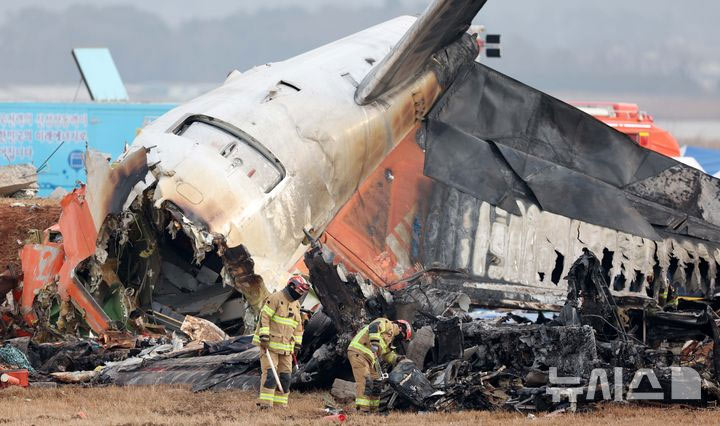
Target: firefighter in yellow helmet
x=279, y=332
x=372, y=342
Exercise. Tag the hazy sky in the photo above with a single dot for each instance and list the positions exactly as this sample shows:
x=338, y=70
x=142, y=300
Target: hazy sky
x=639, y=46
x=177, y=11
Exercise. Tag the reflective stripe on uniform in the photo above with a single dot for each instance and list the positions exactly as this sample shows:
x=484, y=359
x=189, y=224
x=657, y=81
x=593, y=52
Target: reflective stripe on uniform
x=281, y=399
x=286, y=347
x=363, y=402
x=285, y=321
x=355, y=343
x=268, y=310
x=256, y=339
x=363, y=349
x=383, y=345
x=263, y=331
x=298, y=339
x=266, y=397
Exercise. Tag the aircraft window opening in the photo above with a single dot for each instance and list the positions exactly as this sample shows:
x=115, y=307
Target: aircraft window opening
x=246, y=155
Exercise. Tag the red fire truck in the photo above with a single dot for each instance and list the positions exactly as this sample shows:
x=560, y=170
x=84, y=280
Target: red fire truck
x=639, y=125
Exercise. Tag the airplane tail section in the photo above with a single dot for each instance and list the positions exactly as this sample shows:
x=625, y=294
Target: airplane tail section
x=443, y=22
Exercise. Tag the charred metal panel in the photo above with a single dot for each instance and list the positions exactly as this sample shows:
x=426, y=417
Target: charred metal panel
x=109, y=187
x=348, y=301
x=521, y=259
x=216, y=372
x=551, y=180
x=571, y=349
x=464, y=244
x=238, y=271
x=569, y=163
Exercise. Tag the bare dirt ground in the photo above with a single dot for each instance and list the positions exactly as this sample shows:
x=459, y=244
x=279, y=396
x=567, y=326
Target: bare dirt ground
x=175, y=405
x=15, y=221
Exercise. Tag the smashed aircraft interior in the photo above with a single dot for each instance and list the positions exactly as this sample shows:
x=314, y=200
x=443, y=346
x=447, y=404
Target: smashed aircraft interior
x=419, y=185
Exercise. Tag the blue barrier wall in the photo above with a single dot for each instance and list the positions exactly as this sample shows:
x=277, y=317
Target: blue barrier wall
x=709, y=158
x=30, y=132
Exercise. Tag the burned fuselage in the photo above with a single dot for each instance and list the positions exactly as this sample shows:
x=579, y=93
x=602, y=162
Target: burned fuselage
x=506, y=185
x=411, y=161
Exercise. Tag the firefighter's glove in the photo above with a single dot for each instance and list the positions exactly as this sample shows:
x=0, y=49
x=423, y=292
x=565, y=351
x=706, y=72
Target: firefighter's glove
x=264, y=342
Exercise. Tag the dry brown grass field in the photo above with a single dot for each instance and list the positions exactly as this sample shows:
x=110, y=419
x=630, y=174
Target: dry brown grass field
x=179, y=406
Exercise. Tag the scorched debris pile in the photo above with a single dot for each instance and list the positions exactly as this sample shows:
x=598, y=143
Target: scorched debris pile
x=457, y=362
x=454, y=361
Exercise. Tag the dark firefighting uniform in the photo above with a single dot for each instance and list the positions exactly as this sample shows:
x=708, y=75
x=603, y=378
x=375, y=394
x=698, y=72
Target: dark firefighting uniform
x=280, y=322
x=380, y=332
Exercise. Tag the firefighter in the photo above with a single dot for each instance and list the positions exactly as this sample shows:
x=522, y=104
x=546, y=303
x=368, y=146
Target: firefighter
x=372, y=342
x=279, y=331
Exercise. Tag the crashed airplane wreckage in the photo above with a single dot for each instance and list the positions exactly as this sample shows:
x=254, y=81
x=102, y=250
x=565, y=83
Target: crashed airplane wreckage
x=425, y=183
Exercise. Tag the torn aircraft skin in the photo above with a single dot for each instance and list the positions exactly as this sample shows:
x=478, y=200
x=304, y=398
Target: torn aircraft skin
x=506, y=184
